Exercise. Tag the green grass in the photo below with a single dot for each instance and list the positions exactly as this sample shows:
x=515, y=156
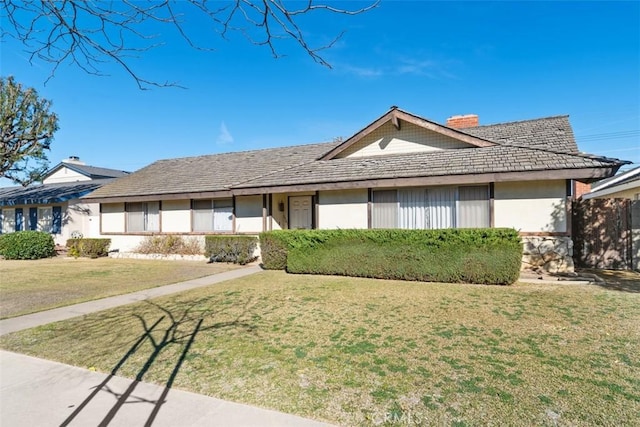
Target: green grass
x=360, y=351
x=31, y=286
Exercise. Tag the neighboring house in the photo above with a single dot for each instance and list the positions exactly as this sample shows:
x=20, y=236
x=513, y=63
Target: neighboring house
x=624, y=185
x=400, y=171
x=54, y=205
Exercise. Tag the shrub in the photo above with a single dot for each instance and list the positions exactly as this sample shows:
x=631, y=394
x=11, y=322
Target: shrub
x=273, y=249
x=236, y=249
x=169, y=245
x=91, y=248
x=27, y=245
x=3, y=243
x=489, y=256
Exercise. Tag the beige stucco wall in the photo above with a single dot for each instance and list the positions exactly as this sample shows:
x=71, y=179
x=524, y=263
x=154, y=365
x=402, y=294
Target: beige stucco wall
x=409, y=139
x=81, y=217
x=124, y=243
x=176, y=216
x=279, y=219
x=113, y=218
x=531, y=206
x=65, y=175
x=249, y=214
x=342, y=209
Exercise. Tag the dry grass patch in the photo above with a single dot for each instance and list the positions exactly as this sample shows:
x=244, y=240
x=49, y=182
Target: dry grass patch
x=361, y=352
x=31, y=286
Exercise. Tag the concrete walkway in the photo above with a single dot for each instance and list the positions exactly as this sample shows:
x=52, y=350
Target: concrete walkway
x=36, y=392
x=39, y=392
x=63, y=313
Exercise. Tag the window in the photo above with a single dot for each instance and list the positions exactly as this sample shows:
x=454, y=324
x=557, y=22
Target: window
x=7, y=220
x=143, y=216
x=213, y=215
x=385, y=209
x=431, y=208
x=473, y=207
x=45, y=219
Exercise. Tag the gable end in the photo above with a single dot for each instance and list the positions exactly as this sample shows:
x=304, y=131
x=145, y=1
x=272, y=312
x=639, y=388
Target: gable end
x=396, y=117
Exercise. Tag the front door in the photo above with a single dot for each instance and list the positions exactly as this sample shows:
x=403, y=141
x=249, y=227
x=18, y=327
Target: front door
x=300, y=213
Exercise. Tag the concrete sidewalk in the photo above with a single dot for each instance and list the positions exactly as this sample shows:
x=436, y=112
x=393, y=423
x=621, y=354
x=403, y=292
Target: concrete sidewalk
x=36, y=392
x=39, y=392
x=57, y=314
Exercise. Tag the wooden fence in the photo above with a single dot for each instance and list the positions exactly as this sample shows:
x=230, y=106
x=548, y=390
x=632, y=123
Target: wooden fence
x=606, y=233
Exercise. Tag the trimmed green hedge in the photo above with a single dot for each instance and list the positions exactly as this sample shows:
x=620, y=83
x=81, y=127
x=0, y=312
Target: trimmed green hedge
x=488, y=255
x=236, y=249
x=27, y=245
x=91, y=248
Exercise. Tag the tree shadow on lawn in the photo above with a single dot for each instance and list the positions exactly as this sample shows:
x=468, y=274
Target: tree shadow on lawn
x=171, y=335
x=615, y=280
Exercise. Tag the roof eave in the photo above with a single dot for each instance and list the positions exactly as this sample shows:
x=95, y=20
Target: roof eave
x=620, y=179
x=43, y=201
x=158, y=197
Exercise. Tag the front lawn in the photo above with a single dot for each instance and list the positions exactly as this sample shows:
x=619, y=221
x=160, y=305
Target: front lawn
x=361, y=352
x=36, y=285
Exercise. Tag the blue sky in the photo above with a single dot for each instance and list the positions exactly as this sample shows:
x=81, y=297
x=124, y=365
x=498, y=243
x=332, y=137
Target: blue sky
x=504, y=61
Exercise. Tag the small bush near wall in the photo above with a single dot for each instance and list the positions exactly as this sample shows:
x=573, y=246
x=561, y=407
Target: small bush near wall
x=273, y=250
x=90, y=248
x=488, y=256
x=236, y=249
x=27, y=245
x=169, y=245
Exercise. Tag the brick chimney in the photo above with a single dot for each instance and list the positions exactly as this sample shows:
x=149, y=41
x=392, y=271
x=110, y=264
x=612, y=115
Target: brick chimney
x=580, y=188
x=461, y=122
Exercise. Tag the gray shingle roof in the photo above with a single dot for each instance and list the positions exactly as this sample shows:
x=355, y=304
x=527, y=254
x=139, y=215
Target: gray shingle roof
x=48, y=193
x=95, y=172
x=496, y=159
x=549, y=133
x=215, y=172
x=530, y=145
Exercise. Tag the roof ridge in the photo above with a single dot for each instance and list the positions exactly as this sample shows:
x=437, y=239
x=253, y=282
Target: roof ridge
x=257, y=150
x=559, y=116
x=96, y=167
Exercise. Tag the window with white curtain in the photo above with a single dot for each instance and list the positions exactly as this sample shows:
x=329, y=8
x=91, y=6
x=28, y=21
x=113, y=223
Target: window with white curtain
x=411, y=208
x=473, y=207
x=213, y=215
x=45, y=219
x=431, y=208
x=8, y=220
x=143, y=216
x=441, y=207
x=385, y=211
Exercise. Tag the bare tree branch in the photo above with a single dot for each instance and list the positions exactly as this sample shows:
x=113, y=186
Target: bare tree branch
x=89, y=34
